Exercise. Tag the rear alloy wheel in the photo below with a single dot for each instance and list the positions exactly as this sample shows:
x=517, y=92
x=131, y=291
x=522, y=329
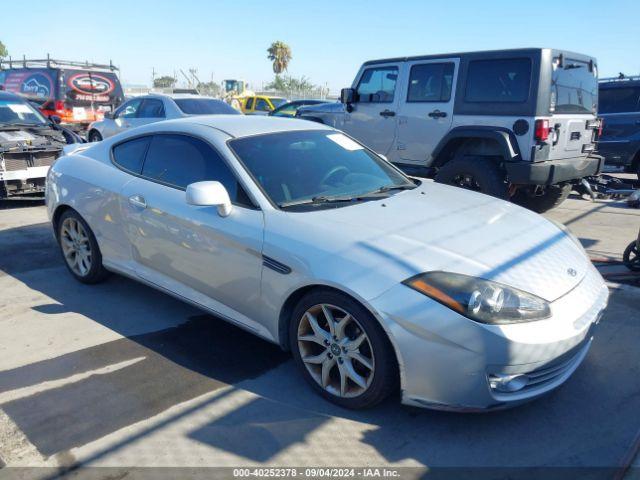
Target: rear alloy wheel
x=80, y=249
x=342, y=351
x=94, y=136
x=545, y=199
x=480, y=174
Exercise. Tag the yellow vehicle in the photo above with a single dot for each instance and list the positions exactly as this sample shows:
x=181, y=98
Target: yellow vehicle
x=261, y=104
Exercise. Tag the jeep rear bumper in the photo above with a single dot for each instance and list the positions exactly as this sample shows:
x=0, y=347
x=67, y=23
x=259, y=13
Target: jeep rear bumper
x=553, y=171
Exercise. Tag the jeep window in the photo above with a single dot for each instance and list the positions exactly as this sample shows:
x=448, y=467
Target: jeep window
x=249, y=104
x=498, y=81
x=430, y=82
x=574, y=88
x=619, y=100
x=377, y=85
x=14, y=112
x=204, y=106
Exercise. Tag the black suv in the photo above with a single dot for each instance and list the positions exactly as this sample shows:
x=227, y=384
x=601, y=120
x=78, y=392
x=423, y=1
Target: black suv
x=619, y=106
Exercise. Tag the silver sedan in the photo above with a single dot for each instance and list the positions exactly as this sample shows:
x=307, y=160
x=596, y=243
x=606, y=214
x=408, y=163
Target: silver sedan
x=155, y=107
x=374, y=280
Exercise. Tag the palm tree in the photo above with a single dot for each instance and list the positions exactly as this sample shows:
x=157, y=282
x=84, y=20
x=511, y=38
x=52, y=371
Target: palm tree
x=280, y=54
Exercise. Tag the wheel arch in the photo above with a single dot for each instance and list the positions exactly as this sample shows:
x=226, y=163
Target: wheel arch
x=484, y=141
x=57, y=214
x=295, y=296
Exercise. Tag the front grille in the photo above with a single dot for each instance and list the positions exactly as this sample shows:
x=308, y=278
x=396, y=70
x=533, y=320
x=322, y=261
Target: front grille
x=22, y=160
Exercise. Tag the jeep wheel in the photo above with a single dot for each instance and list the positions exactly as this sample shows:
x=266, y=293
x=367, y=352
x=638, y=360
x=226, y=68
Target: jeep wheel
x=550, y=197
x=481, y=174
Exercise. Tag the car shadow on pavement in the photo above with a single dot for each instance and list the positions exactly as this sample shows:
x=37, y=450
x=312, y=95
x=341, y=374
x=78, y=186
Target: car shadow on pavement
x=171, y=353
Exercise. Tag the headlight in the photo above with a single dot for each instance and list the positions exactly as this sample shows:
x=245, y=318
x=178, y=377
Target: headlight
x=480, y=300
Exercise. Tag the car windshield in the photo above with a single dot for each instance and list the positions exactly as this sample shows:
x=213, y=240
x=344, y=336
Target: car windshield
x=316, y=168
x=574, y=88
x=15, y=112
x=277, y=102
x=204, y=106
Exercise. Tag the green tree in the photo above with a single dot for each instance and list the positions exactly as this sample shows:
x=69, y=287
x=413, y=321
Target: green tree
x=280, y=54
x=3, y=51
x=286, y=83
x=164, y=82
x=211, y=89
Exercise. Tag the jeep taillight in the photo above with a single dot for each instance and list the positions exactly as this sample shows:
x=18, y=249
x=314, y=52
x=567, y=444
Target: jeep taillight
x=541, y=130
x=600, y=127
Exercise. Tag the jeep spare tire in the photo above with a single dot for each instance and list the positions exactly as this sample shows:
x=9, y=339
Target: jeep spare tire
x=481, y=174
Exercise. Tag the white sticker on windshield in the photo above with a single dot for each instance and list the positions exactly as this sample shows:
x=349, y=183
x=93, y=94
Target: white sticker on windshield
x=344, y=141
x=19, y=108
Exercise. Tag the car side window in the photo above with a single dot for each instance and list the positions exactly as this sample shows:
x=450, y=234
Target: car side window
x=129, y=109
x=262, y=105
x=430, y=82
x=151, y=108
x=249, y=104
x=377, y=85
x=619, y=100
x=179, y=160
x=129, y=155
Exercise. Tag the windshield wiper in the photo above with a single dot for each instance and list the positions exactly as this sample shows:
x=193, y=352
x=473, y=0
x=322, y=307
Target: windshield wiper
x=322, y=199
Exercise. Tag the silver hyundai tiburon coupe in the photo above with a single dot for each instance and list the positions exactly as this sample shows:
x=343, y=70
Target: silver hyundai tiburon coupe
x=374, y=280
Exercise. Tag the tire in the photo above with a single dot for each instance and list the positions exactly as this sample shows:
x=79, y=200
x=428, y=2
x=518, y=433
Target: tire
x=94, y=136
x=377, y=380
x=481, y=174
x=74, y=235
x=631, y=257
x=553, y=196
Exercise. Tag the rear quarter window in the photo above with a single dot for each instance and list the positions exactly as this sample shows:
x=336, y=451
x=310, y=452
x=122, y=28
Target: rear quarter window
x=506, y=80
x=130, y=155
x=619, y=100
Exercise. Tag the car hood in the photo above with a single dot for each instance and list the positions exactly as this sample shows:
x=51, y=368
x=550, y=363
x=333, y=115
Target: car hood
x=437, y=227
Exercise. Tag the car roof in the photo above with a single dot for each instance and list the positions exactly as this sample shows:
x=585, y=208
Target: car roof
x=247, y=125
x=180, y=95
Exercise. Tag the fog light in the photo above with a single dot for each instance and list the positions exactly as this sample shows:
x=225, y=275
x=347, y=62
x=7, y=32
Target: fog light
x=508, y=383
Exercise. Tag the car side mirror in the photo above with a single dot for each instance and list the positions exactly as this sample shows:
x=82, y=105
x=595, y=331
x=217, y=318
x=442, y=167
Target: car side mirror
x=109, y=115
x=210, y=194
x=55, y=119
x=348, y=96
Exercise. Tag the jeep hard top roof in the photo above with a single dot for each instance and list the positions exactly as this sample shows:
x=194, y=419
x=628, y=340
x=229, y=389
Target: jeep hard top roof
x=619, y=82
x=482, y=53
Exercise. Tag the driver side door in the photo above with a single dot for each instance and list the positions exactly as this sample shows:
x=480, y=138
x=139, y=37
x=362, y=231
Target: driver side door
x=373, y=119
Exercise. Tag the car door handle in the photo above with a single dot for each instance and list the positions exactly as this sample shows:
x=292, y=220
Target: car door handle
x=138, y=201
x=437, y=114
x=387, y=113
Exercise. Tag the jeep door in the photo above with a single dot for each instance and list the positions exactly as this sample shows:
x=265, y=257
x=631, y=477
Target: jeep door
x=373, y=119
x=426, y=109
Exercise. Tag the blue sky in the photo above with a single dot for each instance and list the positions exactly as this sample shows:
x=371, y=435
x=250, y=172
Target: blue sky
x=329, y=39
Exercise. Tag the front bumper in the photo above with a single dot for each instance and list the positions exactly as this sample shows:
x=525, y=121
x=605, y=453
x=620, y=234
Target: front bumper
x=446, y=360
x=27, y=181
x=553, y=171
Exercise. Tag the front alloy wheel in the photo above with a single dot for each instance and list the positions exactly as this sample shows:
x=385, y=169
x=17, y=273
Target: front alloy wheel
x=342, y=350
x=336, y=351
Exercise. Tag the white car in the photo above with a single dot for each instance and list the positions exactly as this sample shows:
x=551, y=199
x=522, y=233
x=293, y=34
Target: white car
x=299, y=234
x=155, y=107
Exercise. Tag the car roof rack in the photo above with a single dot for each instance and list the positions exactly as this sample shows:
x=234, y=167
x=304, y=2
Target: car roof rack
x=54, y=63
x=620, y=78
